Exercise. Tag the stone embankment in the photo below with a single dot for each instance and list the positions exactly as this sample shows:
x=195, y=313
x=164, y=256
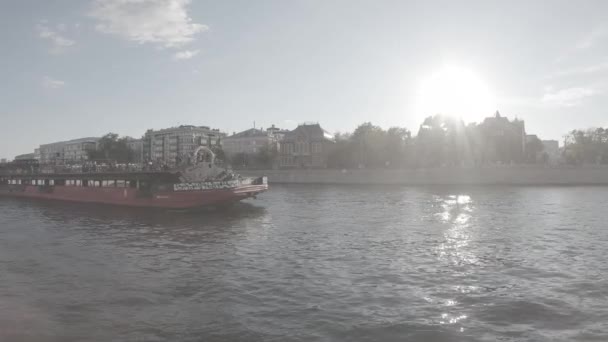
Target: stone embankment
x=511, y=175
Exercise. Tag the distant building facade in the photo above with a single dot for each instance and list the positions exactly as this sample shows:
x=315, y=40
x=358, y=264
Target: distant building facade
x=77, y=150
x=171, y=145
x=252, y=140
x=504, y=140
x=3, y=161
x=307, y=146
x=51, y=152
x=67, y=151
x=278, y=133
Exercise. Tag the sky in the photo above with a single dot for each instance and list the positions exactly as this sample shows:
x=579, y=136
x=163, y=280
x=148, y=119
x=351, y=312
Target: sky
x=76, y=68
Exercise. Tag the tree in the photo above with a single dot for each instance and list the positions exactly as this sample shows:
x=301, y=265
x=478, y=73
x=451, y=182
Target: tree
x=112, y=148
x=397, y=144
x=267, y=156
x=533, y=149
x=239, y=160
x=442, y=140
x=342, y=155
x=220, y=155
x=586, y=147
x=370, y=146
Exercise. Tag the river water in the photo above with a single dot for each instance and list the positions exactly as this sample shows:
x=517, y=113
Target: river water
x=313, y=263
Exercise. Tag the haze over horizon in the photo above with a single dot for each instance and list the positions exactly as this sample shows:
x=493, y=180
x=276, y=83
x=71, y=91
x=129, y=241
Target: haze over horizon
x=76, y=69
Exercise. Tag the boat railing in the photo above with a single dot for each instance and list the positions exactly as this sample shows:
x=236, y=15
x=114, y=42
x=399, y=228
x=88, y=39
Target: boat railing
x=81, y=169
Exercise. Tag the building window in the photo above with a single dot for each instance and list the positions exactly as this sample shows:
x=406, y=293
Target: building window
x=316, y=147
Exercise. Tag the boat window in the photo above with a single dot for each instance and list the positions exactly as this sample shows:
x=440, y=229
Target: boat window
x=108, y=183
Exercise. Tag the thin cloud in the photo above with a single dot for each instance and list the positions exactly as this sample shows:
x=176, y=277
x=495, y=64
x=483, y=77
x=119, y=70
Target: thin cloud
x=164, y=23
x=58, y=41
x=581, y=70
x=568, y=97
x=51, y=83
x=186, y=54
x=592, y=38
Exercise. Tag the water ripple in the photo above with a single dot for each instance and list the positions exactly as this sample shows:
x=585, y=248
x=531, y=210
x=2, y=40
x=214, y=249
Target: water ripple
x=313, y=263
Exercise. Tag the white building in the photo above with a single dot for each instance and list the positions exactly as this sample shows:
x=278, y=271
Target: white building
x=77, y=150
x=67, y=151
x=307, y=146
x=252, y=140
x=171, y=145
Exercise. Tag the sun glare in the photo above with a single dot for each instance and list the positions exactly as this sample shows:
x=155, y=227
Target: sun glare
x=457, y=92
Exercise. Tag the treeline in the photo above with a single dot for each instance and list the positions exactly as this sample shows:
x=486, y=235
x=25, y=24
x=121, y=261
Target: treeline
x=266, y=158
x=112, y=147
x=371, y=146
x=441, y=141
x=586, y=146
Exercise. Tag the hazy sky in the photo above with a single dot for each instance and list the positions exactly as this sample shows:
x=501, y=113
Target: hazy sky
x=83, y=68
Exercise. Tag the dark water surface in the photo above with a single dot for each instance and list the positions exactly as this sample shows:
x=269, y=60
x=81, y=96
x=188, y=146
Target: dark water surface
x=313, y=263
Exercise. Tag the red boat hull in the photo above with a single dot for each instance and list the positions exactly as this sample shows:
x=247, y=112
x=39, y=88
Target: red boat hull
x=133, y=198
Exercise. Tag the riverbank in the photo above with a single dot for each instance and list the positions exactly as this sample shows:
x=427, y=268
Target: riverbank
x=512, y=175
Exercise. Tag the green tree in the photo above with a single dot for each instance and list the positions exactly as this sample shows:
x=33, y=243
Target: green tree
x=397, y=146
x=368, y=143
x=442, y=140
x=534, y=148
x=239, y=160
x=220, y=155
x=370, y=146
x=267, y=156
x=586, y=147
x=111, y=148
x=342, y=155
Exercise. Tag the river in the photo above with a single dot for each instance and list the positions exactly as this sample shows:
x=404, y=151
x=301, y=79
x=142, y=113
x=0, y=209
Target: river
x=313, y=263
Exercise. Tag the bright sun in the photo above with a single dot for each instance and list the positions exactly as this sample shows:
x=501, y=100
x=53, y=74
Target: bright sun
x=457, y=92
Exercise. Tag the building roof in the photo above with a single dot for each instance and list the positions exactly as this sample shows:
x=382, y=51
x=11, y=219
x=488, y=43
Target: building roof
x=250, y=133
x=73, y=141
x=25, y=156
x=313, y=132
x=183, y=128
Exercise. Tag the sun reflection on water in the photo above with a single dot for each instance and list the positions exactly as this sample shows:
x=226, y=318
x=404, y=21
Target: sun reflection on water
x=455, y=212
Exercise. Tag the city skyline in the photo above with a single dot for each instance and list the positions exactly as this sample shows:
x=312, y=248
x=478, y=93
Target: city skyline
x=85, y=69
